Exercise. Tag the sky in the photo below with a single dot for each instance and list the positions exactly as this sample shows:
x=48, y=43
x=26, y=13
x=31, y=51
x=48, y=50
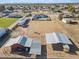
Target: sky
x=39, y=1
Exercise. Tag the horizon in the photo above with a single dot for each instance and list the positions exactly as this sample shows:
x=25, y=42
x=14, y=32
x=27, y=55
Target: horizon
x=37, y=1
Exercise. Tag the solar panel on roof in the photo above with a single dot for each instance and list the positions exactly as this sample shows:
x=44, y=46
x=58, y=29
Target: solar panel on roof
x=22, y=40
x=28, y=42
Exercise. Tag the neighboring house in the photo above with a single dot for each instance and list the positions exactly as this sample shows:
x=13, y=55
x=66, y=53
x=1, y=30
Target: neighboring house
x=23, y=22
x=67, y=20
x=41, y=17
x=77, y=10
x=1, y=15
x=7, y=11
x=15, y=16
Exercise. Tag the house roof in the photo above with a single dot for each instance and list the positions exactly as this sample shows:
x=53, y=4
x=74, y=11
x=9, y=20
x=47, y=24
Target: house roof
x=56, y=37
x=7, y=11
x=68, y=15
x=22, y=40
x=68, y=19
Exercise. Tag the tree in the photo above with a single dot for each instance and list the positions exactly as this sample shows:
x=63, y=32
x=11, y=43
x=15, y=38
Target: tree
x=10, y=8
x=78, y=16
x=60, y=16
x=2, y=7
x=71, y=8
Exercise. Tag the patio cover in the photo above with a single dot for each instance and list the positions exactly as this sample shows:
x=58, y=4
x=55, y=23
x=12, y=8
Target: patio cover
x=56, y=37
x=35, y=47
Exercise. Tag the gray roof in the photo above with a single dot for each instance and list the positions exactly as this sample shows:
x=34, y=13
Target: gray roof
x=2, y=31
x=22, y=22
x=57, y=37
x=22, y=40
x=35, y=48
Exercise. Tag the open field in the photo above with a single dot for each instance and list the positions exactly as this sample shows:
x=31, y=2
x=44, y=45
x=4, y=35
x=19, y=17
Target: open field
x=5, y=22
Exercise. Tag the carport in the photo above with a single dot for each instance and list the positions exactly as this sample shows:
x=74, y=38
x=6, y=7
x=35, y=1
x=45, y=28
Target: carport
x=58, y=38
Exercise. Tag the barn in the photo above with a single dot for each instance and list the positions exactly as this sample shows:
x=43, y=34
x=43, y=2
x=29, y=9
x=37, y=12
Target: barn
x=21, y=43
x=24, y=44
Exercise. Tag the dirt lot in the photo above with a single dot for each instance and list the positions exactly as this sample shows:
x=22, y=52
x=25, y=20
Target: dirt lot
x=37, y=30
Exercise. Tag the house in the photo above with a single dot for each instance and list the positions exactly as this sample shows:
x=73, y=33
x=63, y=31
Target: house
x=23, y=22
x=68, y=15
x=3, y=31
x=41, y=17
x=58, y=38
x=67, y=20
x=3, y=15
x=7, y=11
x=77, y=10
x=23, y=44
x=15, y=16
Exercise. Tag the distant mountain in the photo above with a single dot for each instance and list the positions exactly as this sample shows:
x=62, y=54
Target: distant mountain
x=38, y=1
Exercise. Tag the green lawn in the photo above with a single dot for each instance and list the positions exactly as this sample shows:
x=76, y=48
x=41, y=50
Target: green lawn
x=5, y=22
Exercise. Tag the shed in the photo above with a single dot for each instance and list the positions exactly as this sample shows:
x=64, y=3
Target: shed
x=58, y=38
x=19, y=44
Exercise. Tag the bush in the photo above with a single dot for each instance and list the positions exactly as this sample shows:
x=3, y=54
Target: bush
x=71, y=8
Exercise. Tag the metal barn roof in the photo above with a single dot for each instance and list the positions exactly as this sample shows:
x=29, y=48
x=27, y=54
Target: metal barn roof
x=22, y=22
x=56, y=37
x=51, y=38
x=24, y=41
x=2, y=31
x=63, y=38
x=36, y=47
